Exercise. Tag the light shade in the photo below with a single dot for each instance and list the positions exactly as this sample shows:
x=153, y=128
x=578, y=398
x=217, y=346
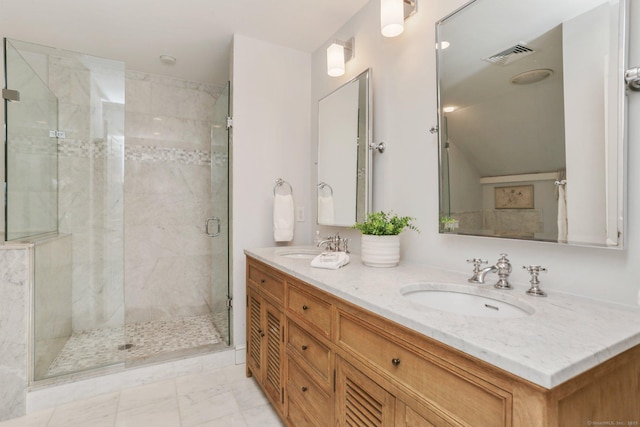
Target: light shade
x=335, y=60
x=391, y=17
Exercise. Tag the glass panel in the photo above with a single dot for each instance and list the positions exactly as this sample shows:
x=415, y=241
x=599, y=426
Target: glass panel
x=31, y=154
x=220, y=209
x=79, y=284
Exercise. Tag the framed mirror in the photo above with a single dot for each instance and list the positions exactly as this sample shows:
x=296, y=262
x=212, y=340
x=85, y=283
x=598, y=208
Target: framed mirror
x=532, y=105
x=344, y=157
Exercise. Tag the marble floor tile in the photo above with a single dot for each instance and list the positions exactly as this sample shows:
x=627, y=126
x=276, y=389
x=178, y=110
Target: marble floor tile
x=37, y=419
x=198, y=408
x=156, y=413
x=221, y=397
x=263, y=416
x=95, y=412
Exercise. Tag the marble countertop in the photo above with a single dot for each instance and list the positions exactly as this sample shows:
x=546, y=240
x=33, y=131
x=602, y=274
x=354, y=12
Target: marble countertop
x=565, y=336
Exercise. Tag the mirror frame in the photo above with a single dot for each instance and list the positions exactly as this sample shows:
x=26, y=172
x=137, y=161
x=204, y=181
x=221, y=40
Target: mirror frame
x=364, y=202
x=615, y=205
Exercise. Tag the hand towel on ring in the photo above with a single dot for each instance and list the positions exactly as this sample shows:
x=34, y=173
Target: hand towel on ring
x=283, y=217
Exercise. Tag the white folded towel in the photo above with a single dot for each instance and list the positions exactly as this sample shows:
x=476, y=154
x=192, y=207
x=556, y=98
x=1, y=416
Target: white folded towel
x=330, y=260
x=283, y=217
x=563, y=226
x=325, y=210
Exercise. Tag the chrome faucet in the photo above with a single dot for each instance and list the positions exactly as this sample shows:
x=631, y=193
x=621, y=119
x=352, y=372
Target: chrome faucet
x=502, y=268
x=478, y=273
x=334, y=244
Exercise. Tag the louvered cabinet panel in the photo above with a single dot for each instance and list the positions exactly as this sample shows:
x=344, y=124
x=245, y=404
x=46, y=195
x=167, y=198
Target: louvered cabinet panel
x=255, y=334
x=265, y=345
x=273, y=353
x=360, y=402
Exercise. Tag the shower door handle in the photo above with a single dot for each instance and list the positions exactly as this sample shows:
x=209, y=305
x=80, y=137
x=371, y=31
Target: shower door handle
x=206, y=226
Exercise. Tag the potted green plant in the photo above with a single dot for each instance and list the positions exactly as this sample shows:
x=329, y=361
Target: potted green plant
x=448, y=223
x=380, y=238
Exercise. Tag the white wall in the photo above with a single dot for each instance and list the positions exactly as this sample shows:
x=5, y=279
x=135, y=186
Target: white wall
x=406, y=175
x=270, y=97
x=583, y=49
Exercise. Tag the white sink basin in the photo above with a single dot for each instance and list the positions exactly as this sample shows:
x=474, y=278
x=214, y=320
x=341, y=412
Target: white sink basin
x=299, y=253
x=466, y=300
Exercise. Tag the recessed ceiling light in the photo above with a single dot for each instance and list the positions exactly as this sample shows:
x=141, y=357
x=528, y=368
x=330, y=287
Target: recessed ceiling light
x=450, y=109
x=168, y=59
x=532, y=76
x=443, y=45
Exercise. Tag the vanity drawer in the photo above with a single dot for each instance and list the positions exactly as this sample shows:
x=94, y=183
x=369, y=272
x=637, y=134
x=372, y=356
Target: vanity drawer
x=311, y=351
x=297, y=416
x=312, y=310
x=270, y=283
x=468, y=399
x=301, y=388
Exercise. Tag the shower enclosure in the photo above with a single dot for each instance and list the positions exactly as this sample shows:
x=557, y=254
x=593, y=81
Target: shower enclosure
x=66, y=193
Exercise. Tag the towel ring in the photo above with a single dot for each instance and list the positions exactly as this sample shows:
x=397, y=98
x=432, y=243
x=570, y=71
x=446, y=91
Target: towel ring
x=323, y=185
x=280, y=183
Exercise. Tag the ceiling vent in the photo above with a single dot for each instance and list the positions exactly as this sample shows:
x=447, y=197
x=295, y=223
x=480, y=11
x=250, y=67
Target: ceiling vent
x=510, y=55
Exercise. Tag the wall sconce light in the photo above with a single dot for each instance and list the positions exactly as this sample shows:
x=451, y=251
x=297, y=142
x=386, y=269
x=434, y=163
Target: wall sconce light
x=339, y=53
x=393, y=13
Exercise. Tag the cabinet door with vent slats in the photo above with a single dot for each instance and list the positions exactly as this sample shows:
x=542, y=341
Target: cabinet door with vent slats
x=273, y=353
x=360, y=401
x=255, y=335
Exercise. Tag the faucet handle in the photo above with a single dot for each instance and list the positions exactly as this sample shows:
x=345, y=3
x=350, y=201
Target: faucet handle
x=503, y=267
x=535, y=270
x=477, y=262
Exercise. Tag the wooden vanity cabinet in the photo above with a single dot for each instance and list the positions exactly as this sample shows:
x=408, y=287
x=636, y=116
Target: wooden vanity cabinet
x=265, y=332
x=324, y=362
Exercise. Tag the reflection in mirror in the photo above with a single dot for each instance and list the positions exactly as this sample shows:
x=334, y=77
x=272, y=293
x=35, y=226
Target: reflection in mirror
x=344, y=157
x=531, y=120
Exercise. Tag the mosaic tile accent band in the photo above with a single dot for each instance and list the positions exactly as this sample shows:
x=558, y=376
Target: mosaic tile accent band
x=146, y=153
x=100, y=149
x=96, y=149
x=103, y=347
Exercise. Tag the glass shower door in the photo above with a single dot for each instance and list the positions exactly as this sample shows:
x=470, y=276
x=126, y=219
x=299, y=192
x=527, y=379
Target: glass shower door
x=31, y=151
x=218, y=224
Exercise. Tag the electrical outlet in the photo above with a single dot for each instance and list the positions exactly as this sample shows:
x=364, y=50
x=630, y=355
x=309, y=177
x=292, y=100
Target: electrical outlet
x=300, y=213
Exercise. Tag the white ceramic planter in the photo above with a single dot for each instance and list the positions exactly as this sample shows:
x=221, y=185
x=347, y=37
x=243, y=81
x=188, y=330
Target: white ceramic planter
x=380, y=251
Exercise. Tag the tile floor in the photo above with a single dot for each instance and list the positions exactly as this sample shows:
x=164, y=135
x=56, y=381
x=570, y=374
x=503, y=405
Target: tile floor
x=100, y=347
x=221, y=398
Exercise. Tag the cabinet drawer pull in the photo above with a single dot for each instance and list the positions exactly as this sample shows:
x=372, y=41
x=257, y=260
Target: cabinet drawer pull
x=304, y=347
x=304, y=389
x=395, y=362
x=304, y=307
x=260, y=332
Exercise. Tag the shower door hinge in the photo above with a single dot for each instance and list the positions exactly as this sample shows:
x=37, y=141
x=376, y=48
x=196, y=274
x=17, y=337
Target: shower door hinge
x=11, y=95
x=57, y=134
x=229, y=303
x=229, y=122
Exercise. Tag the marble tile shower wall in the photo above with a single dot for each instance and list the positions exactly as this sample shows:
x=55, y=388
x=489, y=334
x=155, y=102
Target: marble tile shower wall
x=168, y=196
x=90, y=194
x=14, y=296
x=51, y=300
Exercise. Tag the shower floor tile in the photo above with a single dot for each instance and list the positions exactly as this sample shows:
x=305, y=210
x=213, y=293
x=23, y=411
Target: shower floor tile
x=134, y=343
